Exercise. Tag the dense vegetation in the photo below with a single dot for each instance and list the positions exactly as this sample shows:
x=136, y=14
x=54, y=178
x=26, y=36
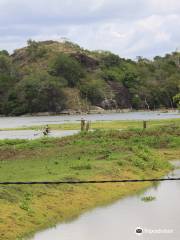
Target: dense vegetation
x=95, y=155
x=53, y=76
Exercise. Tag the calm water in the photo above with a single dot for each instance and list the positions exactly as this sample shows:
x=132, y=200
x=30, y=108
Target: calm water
x=119, y=221
x=13, y=122
x=31, y=134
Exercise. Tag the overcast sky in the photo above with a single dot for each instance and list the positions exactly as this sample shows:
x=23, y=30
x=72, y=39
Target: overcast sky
x=129, y=28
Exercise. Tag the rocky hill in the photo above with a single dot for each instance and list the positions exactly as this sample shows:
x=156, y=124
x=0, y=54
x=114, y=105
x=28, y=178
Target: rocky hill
x=53, y=76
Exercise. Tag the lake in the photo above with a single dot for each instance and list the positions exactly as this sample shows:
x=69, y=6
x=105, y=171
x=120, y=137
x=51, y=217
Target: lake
x=14, y=122
x=33, y=134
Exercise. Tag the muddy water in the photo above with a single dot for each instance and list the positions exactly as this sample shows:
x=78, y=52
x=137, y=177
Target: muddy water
x=159, y=219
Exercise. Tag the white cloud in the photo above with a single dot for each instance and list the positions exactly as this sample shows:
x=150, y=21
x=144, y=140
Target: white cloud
x=126, y=27
x=165, y=6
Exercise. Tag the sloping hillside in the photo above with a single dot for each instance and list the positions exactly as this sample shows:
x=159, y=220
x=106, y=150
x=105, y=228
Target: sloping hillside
x=52, y=76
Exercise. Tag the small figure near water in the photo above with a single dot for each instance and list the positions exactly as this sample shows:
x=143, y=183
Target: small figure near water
x=46, y=130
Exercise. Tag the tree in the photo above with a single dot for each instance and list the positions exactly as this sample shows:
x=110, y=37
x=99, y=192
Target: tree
x=5, y=64
x=110, y=60
x=4, y=52
x=36, y=93
x=93, y=91
x=35, y=50
x=176, y=100
x=68, y=68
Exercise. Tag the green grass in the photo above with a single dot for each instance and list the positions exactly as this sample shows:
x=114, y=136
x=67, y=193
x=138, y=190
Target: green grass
x=148, y=198
x=97, y=155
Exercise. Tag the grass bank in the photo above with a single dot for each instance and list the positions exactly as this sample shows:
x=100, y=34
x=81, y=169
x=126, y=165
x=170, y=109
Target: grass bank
x=95, y=155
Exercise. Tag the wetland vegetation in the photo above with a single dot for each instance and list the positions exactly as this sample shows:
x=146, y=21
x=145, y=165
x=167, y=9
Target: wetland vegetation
x=101, y=154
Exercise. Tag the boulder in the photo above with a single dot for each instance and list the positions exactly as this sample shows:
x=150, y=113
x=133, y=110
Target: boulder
x=85, y=60
x=109, y=104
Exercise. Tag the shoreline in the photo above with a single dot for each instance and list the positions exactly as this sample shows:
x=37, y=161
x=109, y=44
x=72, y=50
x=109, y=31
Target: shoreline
x=103, y=207
x=103, y=201
x=92, y=112
x=98, y=124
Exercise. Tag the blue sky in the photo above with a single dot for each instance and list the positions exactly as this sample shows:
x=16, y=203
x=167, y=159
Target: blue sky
x=129, y=28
